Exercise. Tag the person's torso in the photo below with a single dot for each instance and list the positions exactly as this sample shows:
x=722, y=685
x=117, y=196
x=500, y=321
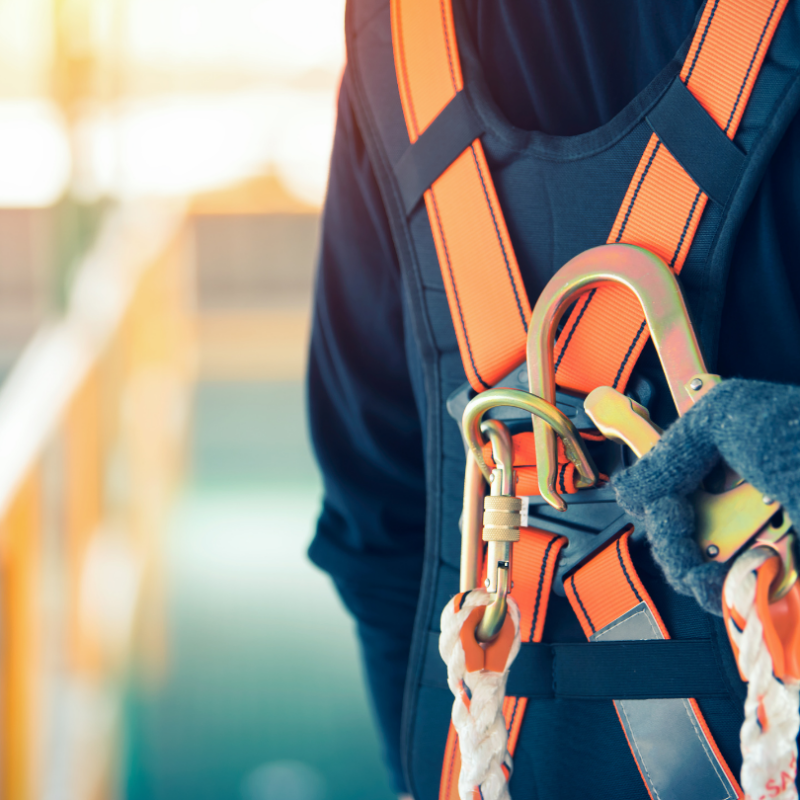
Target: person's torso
x=560, y=192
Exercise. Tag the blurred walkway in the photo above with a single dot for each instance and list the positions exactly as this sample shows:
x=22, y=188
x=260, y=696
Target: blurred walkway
x=264, y=699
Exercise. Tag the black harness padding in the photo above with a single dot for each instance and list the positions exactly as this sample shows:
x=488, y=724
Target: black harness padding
x=437, y=148
x=636, y=670
x=698, y=144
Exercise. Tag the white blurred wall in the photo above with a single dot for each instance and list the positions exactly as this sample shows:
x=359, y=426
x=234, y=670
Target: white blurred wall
x=185, y=96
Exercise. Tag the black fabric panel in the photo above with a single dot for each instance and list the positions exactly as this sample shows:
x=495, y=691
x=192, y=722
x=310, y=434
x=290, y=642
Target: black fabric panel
x=437, y=148
x=431, y=722
x=574, y=750
x=430, y=275
x=603, y=670
x=444, y=334
x=745, y=245
x=446, y=590
x=698, y=144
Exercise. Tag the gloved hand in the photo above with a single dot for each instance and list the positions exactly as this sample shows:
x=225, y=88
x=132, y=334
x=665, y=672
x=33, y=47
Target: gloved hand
x=755, y=428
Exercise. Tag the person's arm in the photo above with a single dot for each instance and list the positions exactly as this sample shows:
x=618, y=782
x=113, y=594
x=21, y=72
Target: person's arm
x=365, y=427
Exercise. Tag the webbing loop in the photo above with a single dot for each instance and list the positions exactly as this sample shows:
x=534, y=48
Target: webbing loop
x=535, y=558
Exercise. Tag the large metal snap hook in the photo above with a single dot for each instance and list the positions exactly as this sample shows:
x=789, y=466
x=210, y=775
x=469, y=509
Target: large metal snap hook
x=726, y=521
x=659, y=294
x=501, y=508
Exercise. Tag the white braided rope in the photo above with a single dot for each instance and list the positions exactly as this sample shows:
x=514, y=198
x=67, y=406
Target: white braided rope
x=481, y=729
x=769, y=752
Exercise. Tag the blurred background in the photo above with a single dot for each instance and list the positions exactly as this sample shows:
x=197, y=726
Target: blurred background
x=162, y=634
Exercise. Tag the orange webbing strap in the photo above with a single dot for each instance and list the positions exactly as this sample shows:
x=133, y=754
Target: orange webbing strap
x=481, y=276
x=660, y=211
x=532, y=569
x=606, y=331
x=525, y=473
x=611, y=603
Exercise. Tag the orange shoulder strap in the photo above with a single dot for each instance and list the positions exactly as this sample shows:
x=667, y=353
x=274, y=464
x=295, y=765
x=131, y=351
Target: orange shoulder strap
x=662, y=208
x=611, y=603
x=660, y=211
x=469, y=229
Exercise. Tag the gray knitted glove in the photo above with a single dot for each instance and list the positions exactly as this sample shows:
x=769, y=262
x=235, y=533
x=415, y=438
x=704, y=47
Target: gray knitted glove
x=755, y=428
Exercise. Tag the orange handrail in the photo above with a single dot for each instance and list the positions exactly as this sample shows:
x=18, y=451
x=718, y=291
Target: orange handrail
x=92, y=421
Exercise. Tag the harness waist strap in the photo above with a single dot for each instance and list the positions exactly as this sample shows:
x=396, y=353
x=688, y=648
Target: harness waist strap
x=623, y=670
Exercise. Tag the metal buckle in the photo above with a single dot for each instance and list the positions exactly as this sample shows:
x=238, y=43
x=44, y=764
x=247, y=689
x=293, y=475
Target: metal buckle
x=592, y=516
x=570, y=405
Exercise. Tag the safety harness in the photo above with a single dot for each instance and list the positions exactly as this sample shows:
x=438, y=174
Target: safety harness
x=601, y=340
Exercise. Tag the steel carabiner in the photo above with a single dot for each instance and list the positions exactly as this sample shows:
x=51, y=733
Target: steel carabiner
x=501, y=508
x=538, y=408
x=659, y=294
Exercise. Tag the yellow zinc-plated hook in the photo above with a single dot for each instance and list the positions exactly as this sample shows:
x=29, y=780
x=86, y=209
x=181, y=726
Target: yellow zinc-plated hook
x=474, y=490
x=724, y=522
x=659, y=294
x=556, y=420
x=501, y=480
x=498, y=553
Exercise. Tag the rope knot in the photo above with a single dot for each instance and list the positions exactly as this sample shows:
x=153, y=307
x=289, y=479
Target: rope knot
x=476, y=675
x=767, y=661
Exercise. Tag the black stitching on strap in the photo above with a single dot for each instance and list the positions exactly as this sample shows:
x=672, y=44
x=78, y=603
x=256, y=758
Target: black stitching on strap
x=500, y=241
x=685, y=228
x=455, y=292
x=561, y=476
x=625, y=573
x=580, y=603
x=636, y=192
x=629, y=354
x=702, y=42
x=572, y=330
x=404, y=67
x=447, y=45
x=750, y=65
x=513, y=714
x=542, y=573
